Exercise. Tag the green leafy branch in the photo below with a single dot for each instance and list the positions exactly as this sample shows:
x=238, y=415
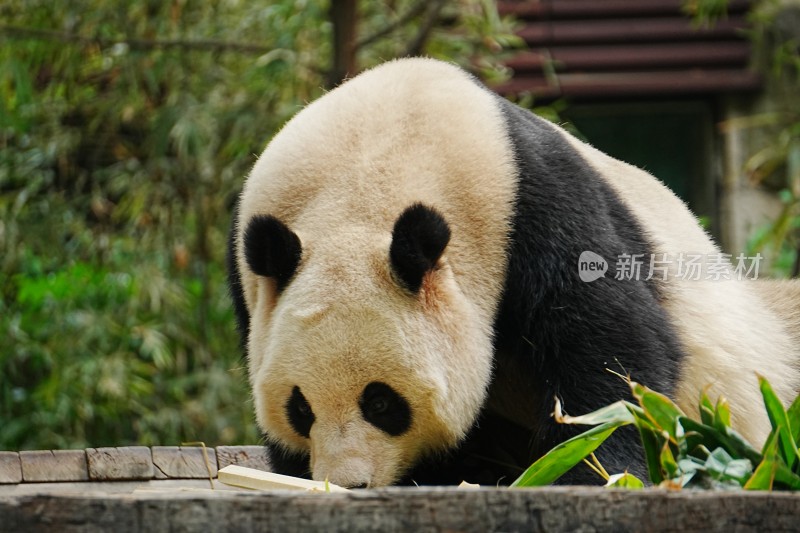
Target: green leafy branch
x=680, y=451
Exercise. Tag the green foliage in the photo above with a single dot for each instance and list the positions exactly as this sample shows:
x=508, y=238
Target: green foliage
x=118, y=168
x=680, y=451
x=624, y=481
x=705, y=12
x=89, y=359
x=470, y=33
x=551, y=466
x=126, y=130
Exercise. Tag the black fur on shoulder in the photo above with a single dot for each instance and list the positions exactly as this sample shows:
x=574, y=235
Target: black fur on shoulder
x=419, y=238
x=567, y=332
x=272, y=250
x=235, y=284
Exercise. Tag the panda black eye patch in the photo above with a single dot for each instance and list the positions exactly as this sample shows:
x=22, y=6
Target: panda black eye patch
x=271, y=249
x=385, y=409
x=299, y=413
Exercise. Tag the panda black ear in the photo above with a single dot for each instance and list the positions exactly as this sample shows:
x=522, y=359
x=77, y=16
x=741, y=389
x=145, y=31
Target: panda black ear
x=419, y=238
x=272, y=250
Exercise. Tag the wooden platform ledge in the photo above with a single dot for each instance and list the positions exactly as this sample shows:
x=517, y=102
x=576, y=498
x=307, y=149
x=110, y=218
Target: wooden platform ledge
x=404, y=509
x=168, y=489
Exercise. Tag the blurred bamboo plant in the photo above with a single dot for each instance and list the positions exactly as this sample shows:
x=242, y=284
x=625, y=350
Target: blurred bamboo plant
x=122, y=146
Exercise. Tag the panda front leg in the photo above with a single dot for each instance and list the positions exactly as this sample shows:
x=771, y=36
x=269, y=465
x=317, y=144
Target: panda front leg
x=522, y=398
x=574, y=345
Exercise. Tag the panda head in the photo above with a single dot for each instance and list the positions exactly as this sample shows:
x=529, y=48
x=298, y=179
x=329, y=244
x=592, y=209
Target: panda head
x=367, y=360
x=369, y=255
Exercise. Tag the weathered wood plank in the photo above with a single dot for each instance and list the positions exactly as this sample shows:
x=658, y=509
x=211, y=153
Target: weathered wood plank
x=54, y=465
x=10, y=468
x=249, y=456
x=182, y=462
x=64, y=488
x=410, y=509
x=132, y=462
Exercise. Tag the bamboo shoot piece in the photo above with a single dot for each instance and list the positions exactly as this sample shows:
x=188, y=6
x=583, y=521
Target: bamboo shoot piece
x=251, y=478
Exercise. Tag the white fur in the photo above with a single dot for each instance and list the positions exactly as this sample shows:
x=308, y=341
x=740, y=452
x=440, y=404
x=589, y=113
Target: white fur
x=339, y=174
x=783, y=297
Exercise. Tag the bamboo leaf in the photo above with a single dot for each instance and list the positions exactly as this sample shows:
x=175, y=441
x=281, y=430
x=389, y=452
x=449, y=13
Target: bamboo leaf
x=764, y=475
x=706, y=408
x=615, y=413
x=660, y=409
x=652, y=442
x=772, y=469
x=563, y=457
x=624, y=481
x=711, y=438
x=689, y=467
x=786, y=477
x=793, y=414
x=723, y=467
x=779, y=419
x=722, y=414
x=667, y=461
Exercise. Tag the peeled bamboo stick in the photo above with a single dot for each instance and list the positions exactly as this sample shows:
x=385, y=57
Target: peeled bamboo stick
x=251, y=478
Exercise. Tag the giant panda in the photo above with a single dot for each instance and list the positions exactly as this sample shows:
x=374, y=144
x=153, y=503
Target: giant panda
x=404, y=266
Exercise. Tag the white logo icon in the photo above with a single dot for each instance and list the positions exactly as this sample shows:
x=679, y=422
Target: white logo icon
x=591, y=266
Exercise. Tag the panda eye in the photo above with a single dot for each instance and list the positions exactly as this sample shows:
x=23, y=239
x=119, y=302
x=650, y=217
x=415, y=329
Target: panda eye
x=378, y=405
x=299, y=413
x=304, y=409
x=385, y=409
